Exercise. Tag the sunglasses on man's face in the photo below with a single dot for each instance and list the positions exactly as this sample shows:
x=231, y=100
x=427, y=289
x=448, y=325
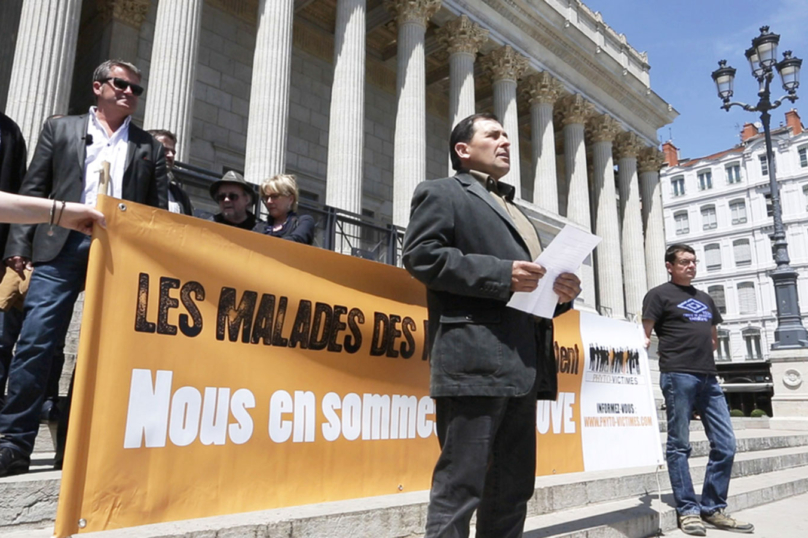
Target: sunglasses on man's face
x=222, y=196
x=122, y=85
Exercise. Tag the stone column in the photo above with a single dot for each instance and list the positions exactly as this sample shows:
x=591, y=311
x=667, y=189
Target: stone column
x=172, y=75
x=602, y=130
x=409, y=159
x=43, y=64
x=10, y=11
x=268, y=122
x=542, y=90
x=506, y=67
x=573, y=111
x=346, y=123
x=650, y=160
x=627, y=147
x=463, y=39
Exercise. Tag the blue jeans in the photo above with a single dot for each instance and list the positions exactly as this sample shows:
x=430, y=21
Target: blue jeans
x=685, y=393
x=54, y=287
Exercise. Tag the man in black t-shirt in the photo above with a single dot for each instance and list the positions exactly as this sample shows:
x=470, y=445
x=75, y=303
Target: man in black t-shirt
x=685, y=321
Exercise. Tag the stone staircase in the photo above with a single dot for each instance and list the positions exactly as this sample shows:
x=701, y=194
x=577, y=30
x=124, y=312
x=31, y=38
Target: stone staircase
x=629, y=503
x=770, y=465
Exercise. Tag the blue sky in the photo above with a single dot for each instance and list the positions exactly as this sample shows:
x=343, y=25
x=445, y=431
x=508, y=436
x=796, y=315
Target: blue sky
x=685, y=39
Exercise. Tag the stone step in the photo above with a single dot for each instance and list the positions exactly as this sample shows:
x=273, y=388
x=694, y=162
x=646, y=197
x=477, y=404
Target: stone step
x=738, y=423
x=45, y=439
x=646, y=516
x=34, y=495
x=402, y=515
x=747, y=441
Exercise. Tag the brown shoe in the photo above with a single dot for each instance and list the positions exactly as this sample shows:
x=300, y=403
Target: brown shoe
x=691, y=524
x=721, y=520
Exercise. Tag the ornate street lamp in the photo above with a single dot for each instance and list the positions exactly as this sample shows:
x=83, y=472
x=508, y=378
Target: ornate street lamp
x=762, y=57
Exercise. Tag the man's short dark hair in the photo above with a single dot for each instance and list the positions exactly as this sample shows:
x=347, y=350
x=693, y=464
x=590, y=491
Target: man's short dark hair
x=165, y=133
x=464, y=132
x=102, y=71
x=675, y=249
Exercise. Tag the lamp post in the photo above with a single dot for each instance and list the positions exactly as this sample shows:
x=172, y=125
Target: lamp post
x=762, y=56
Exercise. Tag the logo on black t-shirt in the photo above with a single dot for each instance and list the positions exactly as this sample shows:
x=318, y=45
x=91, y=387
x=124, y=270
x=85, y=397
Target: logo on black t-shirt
x=698, y=310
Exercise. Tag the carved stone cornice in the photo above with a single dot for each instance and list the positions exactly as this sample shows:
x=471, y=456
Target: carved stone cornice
x=602, y=128
x=572, y=109
x=627, y=145
x=541, y=88
x=417, y=11
x=131, y=12
x=650, y=159
x=505, y=63
x=527, y=19
x=462, y=35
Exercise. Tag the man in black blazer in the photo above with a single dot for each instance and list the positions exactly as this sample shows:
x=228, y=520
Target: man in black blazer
x=178, y=199
x=472, y=247
x=66, y=166
x=13, y=157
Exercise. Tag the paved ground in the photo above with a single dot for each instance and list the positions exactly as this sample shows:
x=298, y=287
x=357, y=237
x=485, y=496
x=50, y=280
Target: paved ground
x=783, y=519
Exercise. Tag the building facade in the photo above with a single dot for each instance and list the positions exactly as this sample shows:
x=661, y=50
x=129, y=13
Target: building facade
x=720, y=205
x=358, y=97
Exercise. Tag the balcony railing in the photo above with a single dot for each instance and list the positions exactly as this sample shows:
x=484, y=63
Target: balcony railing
x=336, y=229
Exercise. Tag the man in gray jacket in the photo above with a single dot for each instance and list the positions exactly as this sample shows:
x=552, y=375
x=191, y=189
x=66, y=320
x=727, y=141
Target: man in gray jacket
x=473, y=247
x=65, y=167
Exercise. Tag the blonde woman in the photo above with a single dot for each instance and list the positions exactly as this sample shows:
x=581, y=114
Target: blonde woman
x=279, y=194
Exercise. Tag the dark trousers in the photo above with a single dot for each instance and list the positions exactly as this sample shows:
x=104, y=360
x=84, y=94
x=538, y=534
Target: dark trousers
x=10, y=323
x=54, y=287
x=487, y=463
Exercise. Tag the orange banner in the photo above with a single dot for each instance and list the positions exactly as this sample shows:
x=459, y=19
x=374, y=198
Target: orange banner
x=223, y=371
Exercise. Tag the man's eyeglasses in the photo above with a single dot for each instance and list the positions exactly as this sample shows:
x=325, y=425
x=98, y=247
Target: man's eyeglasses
x=222, y=196
x=122, y=85
x=685, y=263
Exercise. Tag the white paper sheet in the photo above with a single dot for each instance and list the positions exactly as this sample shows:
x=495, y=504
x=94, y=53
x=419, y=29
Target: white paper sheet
x=565, y=254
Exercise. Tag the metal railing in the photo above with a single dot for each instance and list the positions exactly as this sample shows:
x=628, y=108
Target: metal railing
x=335, y=229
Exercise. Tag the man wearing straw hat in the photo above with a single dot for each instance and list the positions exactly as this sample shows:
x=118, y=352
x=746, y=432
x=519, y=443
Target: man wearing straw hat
x=66, y=167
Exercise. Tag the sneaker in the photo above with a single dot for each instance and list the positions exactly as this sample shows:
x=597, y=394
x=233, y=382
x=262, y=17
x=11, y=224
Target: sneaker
x=691, y=524
x=721, y=520
x=13, y=462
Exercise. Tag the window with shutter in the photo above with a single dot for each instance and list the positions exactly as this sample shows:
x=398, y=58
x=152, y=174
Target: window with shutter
x=753, y=349
x=743, y=252
x=682, y=225
x=678, y=185
x=733, y=173
x=708, y=220
x=764, y=165
x=712, y=257
x=717, y=294
x=705, y=180
x=747, y=304
x=723, y=353
x=738, y=211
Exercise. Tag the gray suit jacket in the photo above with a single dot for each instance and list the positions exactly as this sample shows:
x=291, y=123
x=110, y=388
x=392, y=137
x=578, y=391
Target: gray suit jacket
x=57, y=171
x=461, y=244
